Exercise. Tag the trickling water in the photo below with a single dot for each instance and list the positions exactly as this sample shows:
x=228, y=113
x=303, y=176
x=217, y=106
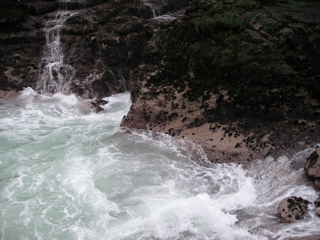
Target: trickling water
x=56, y=75
x=69, y=173
x=154, y=7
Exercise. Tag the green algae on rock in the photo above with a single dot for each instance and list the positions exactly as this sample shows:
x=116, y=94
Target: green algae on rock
x=250, y=66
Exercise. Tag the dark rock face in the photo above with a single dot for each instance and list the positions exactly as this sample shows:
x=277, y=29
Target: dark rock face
x=237, y=66
x=312, y=168
x=292, y=209
x=240, y=78
x=317, y=205
x=20, y=53
x=103, y=41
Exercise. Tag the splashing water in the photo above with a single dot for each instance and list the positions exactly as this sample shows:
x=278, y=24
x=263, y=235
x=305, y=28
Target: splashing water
x=69, y=173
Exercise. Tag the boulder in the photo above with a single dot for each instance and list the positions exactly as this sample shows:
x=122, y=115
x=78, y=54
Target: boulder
x=312, y=167
x=292, y=209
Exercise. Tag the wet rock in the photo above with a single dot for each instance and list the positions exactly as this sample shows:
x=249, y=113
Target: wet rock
x=102, y=43
x=312, y=167
x=235, y=62
x=243, y=71
x=313, y=237
x=292, y=209
x=317, y=205
x=317, y=202
x=267, y=2
x=42, y=7
x=97, y=104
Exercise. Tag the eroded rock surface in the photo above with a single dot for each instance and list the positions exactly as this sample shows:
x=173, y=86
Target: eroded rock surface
x=102, y=40
x=237, y=77
x=292, y=209
x=317, y=205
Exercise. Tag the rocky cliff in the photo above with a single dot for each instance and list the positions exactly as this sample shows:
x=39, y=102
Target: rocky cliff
x=237, y=77
x=102, y=40
x=240, y=78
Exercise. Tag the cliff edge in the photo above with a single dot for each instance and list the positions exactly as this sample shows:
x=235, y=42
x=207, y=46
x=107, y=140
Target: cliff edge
x=239, y=78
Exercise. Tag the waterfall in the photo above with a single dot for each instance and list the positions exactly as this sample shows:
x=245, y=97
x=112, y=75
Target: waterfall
x=55, y=75
x=156, y=6
x=153, y=6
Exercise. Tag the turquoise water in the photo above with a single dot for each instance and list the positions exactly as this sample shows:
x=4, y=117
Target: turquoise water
x=69, y=173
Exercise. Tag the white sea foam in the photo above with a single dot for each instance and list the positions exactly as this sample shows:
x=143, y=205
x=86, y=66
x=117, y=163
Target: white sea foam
x=72, y=174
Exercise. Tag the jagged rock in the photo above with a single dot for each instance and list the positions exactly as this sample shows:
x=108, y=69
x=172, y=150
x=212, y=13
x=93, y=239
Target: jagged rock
x=267, y=2
x=317, y=206
x=228, y=1
x=42, y=7
x=244, y=71
x=292, y=209
x=102, y=43
x=252, y=68
x=96, y=104
x=317, y=202
x=312, y=167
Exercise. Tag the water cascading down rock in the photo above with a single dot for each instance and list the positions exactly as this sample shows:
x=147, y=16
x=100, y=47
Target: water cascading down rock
x=55, y=75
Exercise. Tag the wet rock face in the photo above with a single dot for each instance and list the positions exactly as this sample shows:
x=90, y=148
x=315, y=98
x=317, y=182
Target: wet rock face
x=20, y=40
x=237, y=63
x=111, y=37
x=292, y=209
x=312, y=167
x=103, y=41
x=317, y=206
x=248, y=68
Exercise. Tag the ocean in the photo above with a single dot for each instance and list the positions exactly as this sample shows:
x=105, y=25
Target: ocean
x=67, y=172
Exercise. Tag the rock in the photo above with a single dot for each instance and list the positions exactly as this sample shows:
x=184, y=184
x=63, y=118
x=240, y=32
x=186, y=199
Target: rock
x=96, y=104
x=312, y=237
x=42, y=7
x=250, y=67
x=228, y=1
x=317, y=202
x=317, y=206
x=312, y=167
x=292, y=209
x=267, y=2
x=102, y=43
x=231, y=67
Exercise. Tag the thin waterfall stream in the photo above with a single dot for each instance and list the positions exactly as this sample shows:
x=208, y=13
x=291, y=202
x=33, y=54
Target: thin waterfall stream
x=56, y=75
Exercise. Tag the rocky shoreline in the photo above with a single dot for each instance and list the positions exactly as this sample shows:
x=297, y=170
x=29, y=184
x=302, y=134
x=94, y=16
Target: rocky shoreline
x=241, y=79
x=246, y=92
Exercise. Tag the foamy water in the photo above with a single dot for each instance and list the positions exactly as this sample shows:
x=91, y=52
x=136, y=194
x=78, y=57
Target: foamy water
x=69, y=173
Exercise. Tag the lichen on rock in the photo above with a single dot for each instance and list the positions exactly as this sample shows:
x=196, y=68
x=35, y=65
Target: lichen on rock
x=292, y=209
x=235, y=63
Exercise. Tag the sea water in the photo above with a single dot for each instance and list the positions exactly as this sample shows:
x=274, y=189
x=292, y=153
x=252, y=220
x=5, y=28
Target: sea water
x=69, y=173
